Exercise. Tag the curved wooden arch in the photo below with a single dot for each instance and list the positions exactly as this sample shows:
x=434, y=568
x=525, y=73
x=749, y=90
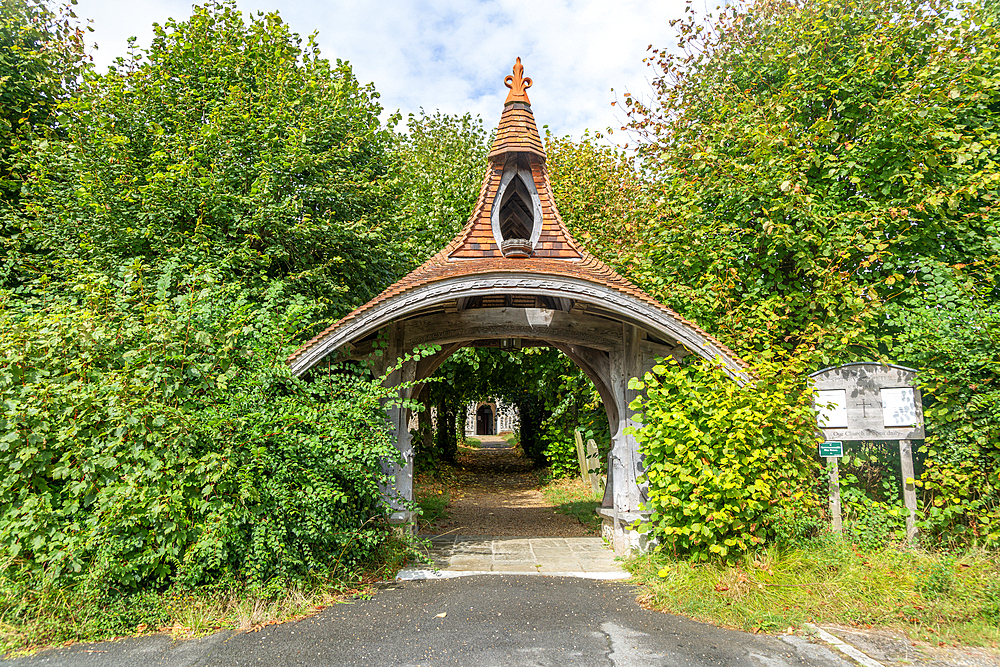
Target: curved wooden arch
x=626, y=308
x=613, y=337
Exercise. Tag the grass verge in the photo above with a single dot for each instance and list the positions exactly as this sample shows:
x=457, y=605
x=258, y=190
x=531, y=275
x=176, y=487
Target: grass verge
x=933, y=597
x=574, y=498
x=433, y=506
x=31, y=620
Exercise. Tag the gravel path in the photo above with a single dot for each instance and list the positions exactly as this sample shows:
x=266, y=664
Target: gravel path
x=498, y=494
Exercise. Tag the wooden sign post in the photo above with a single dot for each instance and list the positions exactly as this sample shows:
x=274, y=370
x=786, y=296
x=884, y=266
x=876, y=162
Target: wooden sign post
x=832, y=450
x=871, y=401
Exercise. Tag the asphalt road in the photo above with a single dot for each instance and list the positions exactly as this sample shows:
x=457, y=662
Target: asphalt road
x=482, y=621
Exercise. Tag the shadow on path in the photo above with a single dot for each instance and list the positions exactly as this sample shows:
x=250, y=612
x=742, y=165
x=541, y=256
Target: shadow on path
x=497, y=493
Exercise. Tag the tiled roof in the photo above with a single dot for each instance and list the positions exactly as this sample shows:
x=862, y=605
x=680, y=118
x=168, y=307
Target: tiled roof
x=517, y=132
x=440, y=268
x=477, y=241
x=474, y=250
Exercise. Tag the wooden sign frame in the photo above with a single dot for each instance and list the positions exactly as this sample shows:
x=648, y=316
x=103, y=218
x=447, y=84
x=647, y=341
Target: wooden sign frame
x=876, y=402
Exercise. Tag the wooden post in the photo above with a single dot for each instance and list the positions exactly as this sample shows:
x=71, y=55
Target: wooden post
x=909, y=492
x=838, y=525
x=581, y=457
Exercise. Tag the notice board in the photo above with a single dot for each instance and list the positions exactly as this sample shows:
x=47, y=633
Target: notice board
x=869, y=401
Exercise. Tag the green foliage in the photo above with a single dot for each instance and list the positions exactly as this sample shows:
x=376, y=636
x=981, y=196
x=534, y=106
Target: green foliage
x=872, y=520
x=814, y=152
x=950, y=329
x=719, y=456
x=151, y=434
x=41, y=55
x=560, y=454
x=606, y=202
x=572, y=404
x=552, y=395
x=796, y=525
x=838, y=175
x=441, y=162
x=227, y=144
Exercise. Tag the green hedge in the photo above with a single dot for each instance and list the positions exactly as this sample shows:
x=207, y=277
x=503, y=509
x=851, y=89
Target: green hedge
x=151, y=434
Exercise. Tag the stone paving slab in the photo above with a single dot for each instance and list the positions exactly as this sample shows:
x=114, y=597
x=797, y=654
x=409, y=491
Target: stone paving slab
x=464, y=555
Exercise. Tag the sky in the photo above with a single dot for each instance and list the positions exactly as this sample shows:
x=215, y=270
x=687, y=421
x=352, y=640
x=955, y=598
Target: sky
x=453, y=55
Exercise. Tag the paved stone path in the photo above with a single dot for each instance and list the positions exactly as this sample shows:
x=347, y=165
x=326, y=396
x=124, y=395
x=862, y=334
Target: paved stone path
x=461, y=555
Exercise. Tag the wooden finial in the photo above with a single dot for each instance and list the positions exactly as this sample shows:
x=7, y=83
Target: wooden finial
x=518, y=86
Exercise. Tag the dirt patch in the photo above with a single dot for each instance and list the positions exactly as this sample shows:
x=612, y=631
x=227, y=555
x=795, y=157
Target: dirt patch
x=496, y=492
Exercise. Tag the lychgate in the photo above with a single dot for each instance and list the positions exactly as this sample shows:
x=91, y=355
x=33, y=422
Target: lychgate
x=515, y=277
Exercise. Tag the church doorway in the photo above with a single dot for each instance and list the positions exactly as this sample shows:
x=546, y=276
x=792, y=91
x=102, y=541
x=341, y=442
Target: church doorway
x=484, y=421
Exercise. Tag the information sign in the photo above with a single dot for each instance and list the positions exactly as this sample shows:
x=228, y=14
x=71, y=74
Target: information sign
x=868, y=401
x=831, y=448
x=899, y=408
x=832, y=405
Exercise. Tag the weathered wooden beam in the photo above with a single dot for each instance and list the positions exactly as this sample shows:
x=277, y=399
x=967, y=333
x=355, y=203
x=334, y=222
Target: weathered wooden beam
x=525, y=323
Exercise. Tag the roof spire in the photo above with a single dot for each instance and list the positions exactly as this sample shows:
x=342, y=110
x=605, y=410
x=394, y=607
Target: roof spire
x=518, y=86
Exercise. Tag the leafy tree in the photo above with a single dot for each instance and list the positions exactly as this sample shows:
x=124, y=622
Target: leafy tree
x=950, y=330
x=813, y=152
x=441, y=162
x=227, y=143
x=834, y=165
x=605, y=200
x=194, y=211
x=41, y=57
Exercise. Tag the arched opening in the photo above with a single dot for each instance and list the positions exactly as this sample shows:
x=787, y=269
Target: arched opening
x=495, y=479
x=608, y=333
x=485, y=422
x=517, y=212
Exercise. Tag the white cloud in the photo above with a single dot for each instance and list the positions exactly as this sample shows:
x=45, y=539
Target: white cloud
x=453, y=55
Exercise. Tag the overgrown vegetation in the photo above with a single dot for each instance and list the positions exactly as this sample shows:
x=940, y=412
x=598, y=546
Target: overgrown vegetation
x=722, y=458
x=173, y=228
x=814, y=182
x=837, y=172
x=54, y=616
x=152, y=438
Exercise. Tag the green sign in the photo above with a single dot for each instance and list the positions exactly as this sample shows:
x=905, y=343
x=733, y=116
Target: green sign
x=831, y=448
